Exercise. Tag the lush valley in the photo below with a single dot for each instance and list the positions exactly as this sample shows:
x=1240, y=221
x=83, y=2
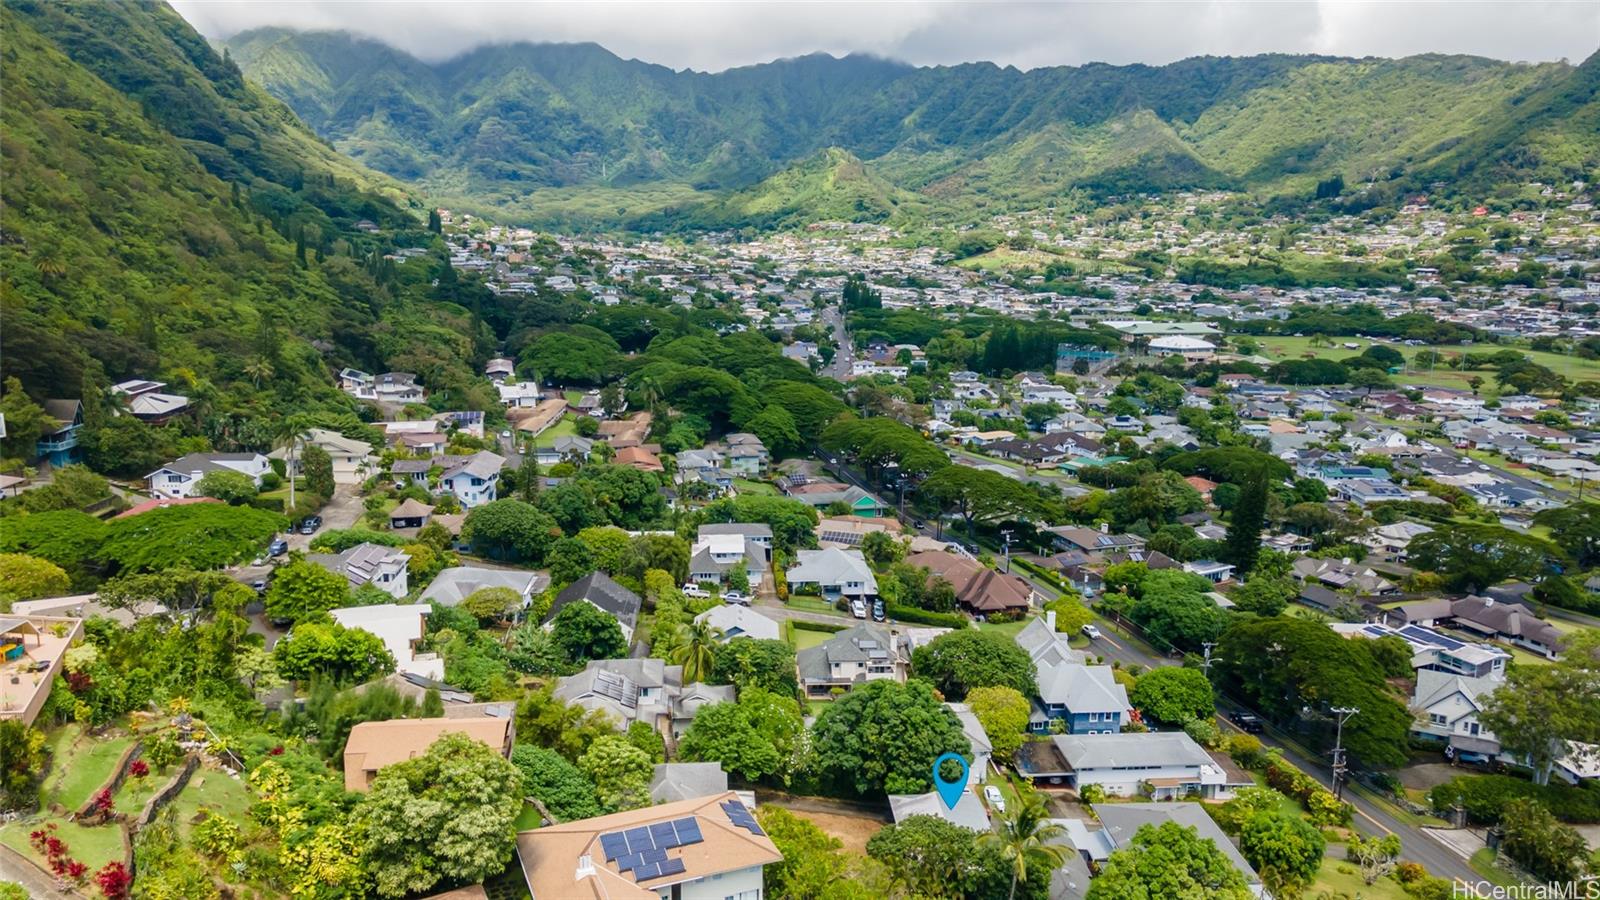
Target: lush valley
x=573, y=135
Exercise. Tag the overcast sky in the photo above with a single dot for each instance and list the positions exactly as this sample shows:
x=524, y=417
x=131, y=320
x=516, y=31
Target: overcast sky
x=716, y=35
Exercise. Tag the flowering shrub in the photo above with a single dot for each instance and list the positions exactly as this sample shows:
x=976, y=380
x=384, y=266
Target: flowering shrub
x=102, y=802
x=139, y=768
x=114, y=881
x=57, y=856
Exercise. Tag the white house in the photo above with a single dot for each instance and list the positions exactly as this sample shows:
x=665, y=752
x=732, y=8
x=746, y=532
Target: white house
x=178, y=478
x=833, y=572
x=400, y=627
x=352, y=459
x=475, y=479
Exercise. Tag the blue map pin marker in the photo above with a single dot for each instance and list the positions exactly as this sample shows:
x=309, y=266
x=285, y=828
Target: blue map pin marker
x=950, y=791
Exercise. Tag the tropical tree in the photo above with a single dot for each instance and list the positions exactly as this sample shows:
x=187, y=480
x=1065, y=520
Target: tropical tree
x=1168, y=860
x=697, y=651
x=1003, y=713
x=1285, y=850
x=1174, y=695
x=1025, y=837
x=1540, y=709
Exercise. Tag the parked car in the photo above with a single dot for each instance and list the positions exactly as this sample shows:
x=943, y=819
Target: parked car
x=858, y=609
x=310, y=525
x=696, y=591
x=1091, y=632
x=992, y=794
x=877, y=611
x=259, y=586
x=1247, y=723
x=278, y=547
x=739, y=597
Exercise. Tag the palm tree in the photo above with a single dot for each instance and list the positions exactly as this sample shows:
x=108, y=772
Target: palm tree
x=1024, y=836
x=292, y=431
x=697, y=651
x=258, y=371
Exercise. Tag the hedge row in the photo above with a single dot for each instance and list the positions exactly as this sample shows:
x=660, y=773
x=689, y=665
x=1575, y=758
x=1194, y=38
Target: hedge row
x=824, y=627
x=1485, y=796
x=919, y=616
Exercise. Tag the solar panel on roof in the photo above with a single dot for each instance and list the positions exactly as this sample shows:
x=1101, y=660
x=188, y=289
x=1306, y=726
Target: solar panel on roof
x=662, y=832
x=639, y=839
x=688, y=831
x=647, y=871
x=627, y=861
x=654, y=855
x=614, y=845
x=672, y=867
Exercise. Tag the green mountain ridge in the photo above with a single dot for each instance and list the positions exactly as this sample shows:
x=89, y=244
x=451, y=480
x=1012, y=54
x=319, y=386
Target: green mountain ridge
x=165, y=218
x=570, y=134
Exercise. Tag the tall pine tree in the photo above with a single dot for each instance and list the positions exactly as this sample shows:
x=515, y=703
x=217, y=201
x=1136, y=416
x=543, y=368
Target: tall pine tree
x=1244, y=529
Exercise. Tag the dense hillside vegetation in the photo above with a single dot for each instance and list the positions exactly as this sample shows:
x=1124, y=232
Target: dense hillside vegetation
x=576, y=135
x=166, y=219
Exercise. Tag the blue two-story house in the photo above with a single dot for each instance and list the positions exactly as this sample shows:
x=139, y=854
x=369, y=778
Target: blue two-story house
x=60, y=446
x=1085, y=699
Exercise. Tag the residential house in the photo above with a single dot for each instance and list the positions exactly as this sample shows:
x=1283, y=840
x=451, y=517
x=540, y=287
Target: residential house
x=500, y=370
x=725, y=548
x=58, y=446
x=400, y=626
x=978, y=588
x=410, y=514
x=534, y=421
x=373, y=745
x=745, y=453
x=456, y=583
x=1448, y=707
x=629, y=432
x=638, y=458
x=179, y=477
x=1487, y=618
x=1161, y=765
x=982, y=748
x=1121, y=821
x=688, y=780
x=352, y=459
x=598, y=590
x=1395, y=537
x=823, y=494
x=1209, y=569
x=1341, y=574
x=832, y=572
x=475, y=479
x=641, y=690
x=968, y=812
x=147, y=402
x=566, y=448
x=735, y=621
x=32, y=652
x=862, y=653
x=397, y=388
x=706, y=848
x=1089, y=540
x=850, y=531
x=382, y=567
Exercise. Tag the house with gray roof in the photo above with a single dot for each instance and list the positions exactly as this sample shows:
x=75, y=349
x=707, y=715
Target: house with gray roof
x=1121, y=821
x=641, y=690
x=832, y=572
x=456, y=583
x=735, y=621
x=967, y=813
x=475, y=479
x=177, y=479
x=1162, y=765
x=865, y=652
x=600, y=591
x=382, y=567
x=687, y=780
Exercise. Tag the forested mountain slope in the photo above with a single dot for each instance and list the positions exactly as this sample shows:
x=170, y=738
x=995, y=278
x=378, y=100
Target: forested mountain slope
x=540, y=129
x=164, y=218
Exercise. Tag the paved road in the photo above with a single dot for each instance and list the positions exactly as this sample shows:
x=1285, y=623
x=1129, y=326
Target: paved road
x=1418, y=846
x=839, y=369
x=33, y=882
x=344, y=509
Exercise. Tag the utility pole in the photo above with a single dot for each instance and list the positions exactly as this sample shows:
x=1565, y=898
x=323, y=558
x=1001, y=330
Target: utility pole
x=1005, y=535
x=1205, y=666
x=1341, y=714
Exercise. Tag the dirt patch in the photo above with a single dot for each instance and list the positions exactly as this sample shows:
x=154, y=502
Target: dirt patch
x=852, y=831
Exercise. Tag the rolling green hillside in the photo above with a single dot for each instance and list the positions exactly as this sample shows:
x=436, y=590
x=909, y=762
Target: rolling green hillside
x=163, y=218
x=572, y=133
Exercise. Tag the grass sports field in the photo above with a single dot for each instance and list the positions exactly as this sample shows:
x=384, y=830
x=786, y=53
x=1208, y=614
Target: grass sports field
x=1571, y=367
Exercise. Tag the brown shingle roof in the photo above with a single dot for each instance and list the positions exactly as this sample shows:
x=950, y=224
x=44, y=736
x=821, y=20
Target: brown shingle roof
x=373, y=745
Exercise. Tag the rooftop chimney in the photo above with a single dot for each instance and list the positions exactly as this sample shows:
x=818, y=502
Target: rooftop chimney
x=1050, y=618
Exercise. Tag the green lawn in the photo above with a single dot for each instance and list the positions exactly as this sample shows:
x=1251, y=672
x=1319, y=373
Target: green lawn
x=759, y=488
x=804, y=639
x=811, y=604
x=566, y=426
x=528, y=818
x=209, y=788
x=1569, y=366
x=815, y=707
x=1009, y=629
x=1482, y=862
x=1334, y=883
x=94, y=847
x=80, y=765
